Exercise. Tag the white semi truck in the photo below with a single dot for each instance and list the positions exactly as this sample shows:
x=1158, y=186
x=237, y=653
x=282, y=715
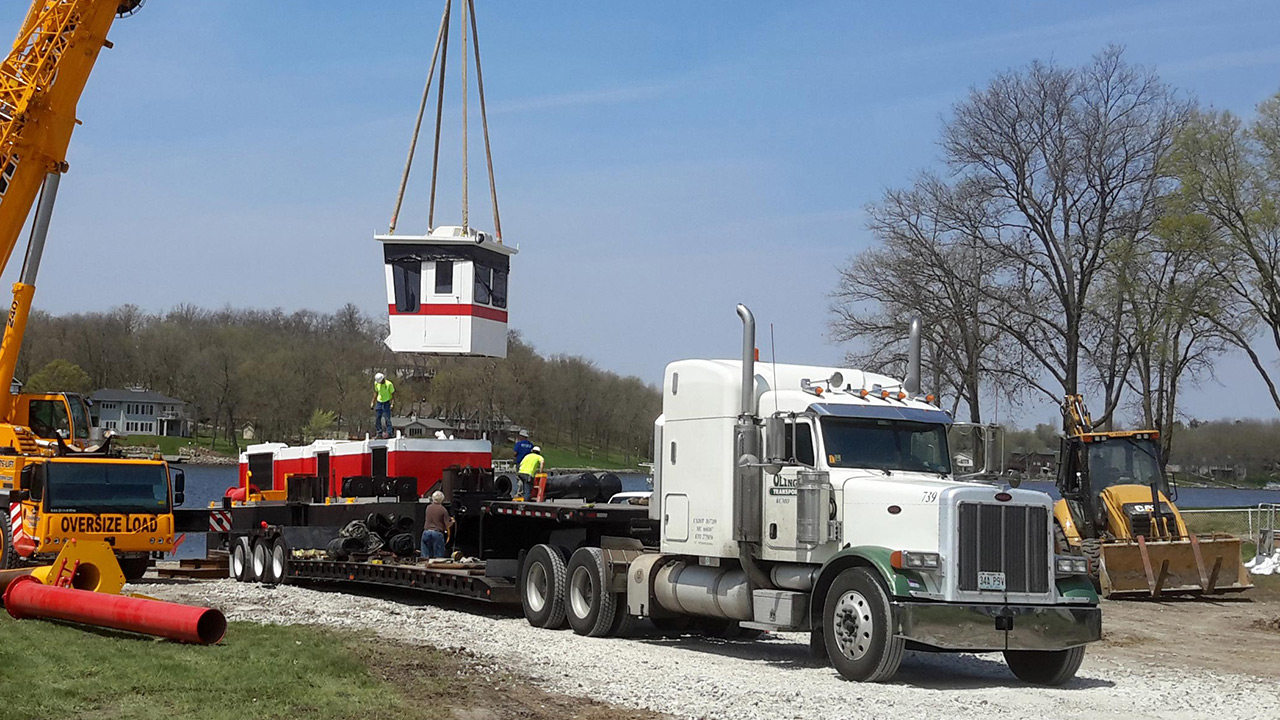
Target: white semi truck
x=793, y=497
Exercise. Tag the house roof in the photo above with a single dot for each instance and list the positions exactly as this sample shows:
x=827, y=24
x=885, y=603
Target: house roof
x=127, y=395
x=427, y=423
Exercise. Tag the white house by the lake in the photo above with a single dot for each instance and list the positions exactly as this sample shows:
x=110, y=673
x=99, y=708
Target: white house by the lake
x=130, y=411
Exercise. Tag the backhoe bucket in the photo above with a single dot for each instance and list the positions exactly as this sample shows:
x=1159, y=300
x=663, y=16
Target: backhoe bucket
x=1198, y=565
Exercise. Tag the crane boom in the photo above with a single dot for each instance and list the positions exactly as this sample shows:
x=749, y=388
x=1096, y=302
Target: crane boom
x=40, y=83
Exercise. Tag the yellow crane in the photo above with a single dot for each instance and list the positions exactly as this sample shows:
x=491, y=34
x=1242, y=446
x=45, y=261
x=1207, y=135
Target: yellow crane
x=1117, y=508
x=54, y=485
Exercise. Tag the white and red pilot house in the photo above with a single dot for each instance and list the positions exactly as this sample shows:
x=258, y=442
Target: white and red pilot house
x=333, y=460
x=447, y=292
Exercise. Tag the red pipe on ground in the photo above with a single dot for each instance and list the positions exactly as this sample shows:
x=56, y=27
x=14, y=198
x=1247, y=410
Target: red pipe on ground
x=26, y=597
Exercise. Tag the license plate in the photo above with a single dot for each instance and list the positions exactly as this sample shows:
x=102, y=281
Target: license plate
x=990, y=581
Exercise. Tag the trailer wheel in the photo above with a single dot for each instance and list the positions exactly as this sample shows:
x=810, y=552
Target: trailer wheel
x=858, y=627
x=8, y=556
x=278, y=561
x=589, y=604
x=542, y=587
x=258, y=566
x=240, y=560
x=1045, y=667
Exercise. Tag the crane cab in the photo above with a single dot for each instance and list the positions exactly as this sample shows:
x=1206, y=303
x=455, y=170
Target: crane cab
x=54, y=415
x=447, y=292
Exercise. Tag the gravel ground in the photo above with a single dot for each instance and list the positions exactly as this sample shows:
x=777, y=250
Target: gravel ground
x=770, y=677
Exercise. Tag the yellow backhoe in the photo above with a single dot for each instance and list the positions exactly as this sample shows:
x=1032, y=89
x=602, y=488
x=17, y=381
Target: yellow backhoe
x=1117, y=509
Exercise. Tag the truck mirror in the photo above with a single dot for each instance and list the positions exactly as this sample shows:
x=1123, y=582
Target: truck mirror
x=179, y=481
x=31, y=481
x=179, y=498
x=24, y=478
x=775, y=438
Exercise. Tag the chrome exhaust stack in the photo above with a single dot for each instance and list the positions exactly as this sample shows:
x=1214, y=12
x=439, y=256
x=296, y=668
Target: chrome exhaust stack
x=912, y=382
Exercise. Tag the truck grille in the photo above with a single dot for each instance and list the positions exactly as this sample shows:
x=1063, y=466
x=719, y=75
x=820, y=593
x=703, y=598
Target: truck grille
x=1012, y=539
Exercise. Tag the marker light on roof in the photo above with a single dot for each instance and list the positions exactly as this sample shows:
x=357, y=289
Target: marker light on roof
x=884, y=394
x=863, y=392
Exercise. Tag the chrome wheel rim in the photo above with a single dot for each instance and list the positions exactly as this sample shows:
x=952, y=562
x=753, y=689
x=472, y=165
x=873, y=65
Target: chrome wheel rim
x=277, y=560
x=259, y=562
x=582, y=592
x=853, y=625
x=237, y=561
x=535, y=587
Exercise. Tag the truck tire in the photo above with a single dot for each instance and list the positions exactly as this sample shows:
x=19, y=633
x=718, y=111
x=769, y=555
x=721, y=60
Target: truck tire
x=858, y=627
x=8, y=556
x=278, y=561
x=134, y=567
x=624, y=623
x=542, y=587
x=258, y=565
x=239, y=564
x=589, y=604
x=1045, y=667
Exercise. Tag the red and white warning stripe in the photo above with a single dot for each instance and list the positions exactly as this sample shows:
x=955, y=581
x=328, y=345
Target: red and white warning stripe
x=15, y=522
x=220, y=521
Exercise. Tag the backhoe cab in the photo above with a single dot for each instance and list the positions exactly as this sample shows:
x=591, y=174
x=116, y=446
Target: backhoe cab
x=1117, y=508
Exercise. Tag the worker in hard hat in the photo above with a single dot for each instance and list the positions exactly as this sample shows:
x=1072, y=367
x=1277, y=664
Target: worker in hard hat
x=383, y=392
x=532, y=464
x=523, y=446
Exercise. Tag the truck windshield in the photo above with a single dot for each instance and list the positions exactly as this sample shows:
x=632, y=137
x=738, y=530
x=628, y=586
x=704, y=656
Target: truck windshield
x=1124, y=461
x=106, y=487
x=886, y=445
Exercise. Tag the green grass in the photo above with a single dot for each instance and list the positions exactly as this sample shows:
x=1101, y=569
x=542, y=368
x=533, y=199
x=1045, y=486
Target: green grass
x=49, y=670
x=171, y=445
x=558, y=457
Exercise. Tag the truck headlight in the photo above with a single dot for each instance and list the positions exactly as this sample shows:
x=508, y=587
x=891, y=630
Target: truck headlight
x=911, y=560
x=1072, y=565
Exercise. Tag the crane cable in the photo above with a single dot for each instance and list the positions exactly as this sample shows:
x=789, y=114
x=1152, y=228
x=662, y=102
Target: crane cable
x=440, y=54
x=422, y=109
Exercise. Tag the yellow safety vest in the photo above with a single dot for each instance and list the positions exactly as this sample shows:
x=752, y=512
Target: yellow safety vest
x=532, y=464
x=384, y=390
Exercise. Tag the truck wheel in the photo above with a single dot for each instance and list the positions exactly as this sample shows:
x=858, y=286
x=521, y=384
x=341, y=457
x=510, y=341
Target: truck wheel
x=8, y=556
x=1045, y=667
x=278, y=561
x=134, y=567
x=624, y=623
x=239, y=564
x=542, y=587
x=858, y=628
x=589, y=604
x=1060, y=544
x=258, y=566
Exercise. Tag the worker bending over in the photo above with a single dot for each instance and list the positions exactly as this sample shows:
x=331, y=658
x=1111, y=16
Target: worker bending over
x=530, y=465
x=435, y=526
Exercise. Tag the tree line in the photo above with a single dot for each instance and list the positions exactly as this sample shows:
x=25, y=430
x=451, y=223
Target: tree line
x=296, y=375
x=1235, y=452
x=1092, y=230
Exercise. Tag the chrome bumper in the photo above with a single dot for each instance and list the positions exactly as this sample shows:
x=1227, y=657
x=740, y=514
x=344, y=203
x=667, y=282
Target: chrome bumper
x=998, y=627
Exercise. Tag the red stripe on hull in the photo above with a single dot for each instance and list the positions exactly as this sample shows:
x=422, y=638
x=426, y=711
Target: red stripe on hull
x=481, y=311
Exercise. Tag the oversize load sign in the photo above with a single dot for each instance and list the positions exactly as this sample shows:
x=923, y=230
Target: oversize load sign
x=106, y=524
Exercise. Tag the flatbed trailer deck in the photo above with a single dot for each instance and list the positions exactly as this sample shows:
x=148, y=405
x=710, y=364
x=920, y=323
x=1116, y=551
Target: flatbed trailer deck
x=496, y=532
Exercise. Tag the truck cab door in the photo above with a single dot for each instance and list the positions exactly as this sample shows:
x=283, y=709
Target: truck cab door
x=779, y=532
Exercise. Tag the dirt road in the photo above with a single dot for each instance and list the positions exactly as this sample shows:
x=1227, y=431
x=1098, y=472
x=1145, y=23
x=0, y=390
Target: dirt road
x=1159, y=660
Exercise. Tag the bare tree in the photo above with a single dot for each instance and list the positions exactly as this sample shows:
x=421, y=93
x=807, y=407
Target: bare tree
x=1068, y=160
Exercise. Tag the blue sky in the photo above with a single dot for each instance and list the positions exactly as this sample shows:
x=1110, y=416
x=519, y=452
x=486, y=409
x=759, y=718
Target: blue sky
x=656, y=162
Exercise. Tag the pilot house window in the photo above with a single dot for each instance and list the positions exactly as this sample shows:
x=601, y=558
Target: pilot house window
x=406, y=276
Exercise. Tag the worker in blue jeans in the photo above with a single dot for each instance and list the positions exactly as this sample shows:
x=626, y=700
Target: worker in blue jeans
x=383, y=391
x=433, y=529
